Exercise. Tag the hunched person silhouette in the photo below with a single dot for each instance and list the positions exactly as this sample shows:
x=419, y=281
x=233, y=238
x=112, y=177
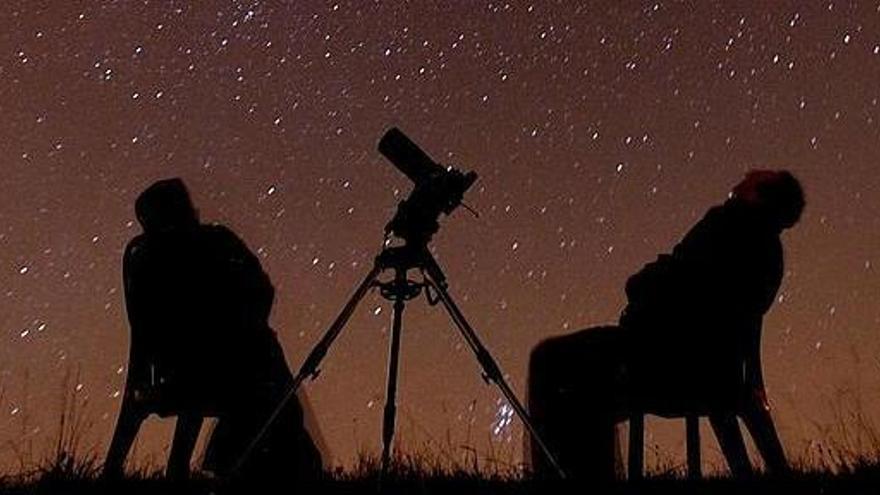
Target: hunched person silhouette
x=198, y=304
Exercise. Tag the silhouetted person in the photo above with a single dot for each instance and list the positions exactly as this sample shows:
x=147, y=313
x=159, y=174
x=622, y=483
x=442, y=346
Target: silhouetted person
x=696, y=315
x=198, y=304
x=689, y=337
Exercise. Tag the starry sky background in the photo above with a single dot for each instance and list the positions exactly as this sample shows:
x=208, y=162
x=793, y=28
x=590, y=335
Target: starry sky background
x=601, y=132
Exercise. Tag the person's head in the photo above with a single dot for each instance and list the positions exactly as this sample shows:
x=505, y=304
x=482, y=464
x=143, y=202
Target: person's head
x=165, y=206
x=777, y=192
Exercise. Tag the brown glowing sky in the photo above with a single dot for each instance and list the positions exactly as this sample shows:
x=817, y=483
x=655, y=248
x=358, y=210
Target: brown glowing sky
x=601, y=131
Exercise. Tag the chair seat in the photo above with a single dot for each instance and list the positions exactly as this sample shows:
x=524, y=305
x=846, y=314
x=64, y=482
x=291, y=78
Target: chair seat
x=679, y=408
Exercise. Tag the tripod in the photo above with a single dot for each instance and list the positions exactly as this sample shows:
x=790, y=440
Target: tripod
x=400, y=289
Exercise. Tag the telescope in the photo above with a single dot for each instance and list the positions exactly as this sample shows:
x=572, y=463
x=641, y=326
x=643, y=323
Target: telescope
x=436, y=189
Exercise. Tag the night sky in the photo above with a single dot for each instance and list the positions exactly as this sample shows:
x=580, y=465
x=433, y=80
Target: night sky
x=601, y=131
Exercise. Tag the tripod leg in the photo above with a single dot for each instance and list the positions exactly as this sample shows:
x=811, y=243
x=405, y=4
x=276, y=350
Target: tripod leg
x=491, y=371
x=310, y=365
x=391, y=392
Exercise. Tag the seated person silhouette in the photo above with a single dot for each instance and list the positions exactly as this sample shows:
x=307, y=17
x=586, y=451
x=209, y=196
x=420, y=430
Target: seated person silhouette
x=688, y=339
x=198, y=304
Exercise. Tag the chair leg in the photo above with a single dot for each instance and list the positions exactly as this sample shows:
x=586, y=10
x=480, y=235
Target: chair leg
x=186, y=433
x=763, y=432
x=127, y=426
x=636, y=446
x=731, y=441
x=694, y=464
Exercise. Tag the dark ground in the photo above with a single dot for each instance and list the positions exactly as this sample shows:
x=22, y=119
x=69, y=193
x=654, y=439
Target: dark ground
x=80, y=479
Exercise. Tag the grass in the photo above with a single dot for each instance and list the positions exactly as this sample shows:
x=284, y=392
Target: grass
x=418, y=474
x=413, y=475
x=844, y=459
